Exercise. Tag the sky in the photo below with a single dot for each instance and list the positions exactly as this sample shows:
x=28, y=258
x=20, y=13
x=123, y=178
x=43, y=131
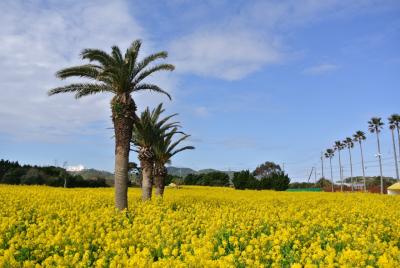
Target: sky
x=255, y=81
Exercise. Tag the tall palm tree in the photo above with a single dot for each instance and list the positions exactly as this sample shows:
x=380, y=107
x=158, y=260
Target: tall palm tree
x=359, y=136
x=375, y=125
x=329, y=154
x=348, y=142
x=165, y=149
x=338, y=147
x=120, y=75
x=396, y=123
x=147, y=131
x=392, y=127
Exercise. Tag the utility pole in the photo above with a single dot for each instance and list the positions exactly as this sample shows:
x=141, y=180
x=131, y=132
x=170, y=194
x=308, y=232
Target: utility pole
x=315, y=175
x=395, y=154
x=341, y=177
x=65, y=175
x=322, y=164
x=283, y=167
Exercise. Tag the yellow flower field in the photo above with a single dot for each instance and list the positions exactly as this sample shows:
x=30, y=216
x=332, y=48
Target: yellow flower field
x=197, y=227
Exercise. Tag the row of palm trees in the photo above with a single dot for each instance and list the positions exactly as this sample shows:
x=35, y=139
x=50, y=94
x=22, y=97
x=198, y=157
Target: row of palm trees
x=375, y=125
x=122, y=75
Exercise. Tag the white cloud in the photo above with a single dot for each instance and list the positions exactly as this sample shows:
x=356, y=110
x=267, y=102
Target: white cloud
x=76, y=168
x=230, y=56
x=247, y=37
x=201, y=111
x=320, y=69
x=36, y=41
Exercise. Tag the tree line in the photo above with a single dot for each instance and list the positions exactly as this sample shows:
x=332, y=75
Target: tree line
x=215, y=178
x=14, y=173
x=268, y=176
x=278, y=181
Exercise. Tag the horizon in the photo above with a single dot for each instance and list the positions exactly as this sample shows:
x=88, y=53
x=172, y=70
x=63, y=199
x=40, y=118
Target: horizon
x=254, y=81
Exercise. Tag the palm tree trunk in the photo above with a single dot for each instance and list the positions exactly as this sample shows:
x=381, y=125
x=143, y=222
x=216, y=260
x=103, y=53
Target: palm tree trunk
x=158, y=182
x=330, y=162
x=123, y=114
x=380, y=159
x=351, y=171
x=398, y=138
x=340, y=173
x=146, y=157
x=395, y=156
x=147, y=182
x=159, y=179
x=362, y=166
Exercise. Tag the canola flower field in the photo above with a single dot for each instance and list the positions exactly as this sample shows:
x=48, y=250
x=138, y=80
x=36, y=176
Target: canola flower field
x=197, y=227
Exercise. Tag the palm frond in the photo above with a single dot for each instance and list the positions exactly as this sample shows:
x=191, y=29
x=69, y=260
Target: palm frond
x=146, y=73
x=89, y=71
x=176, y=143
x=91, y=89
x=147, y=60
x=97, y=55
x=80, y=89
x=150, y=87
x=131, y=56
x=183, y=149
x=117, y=55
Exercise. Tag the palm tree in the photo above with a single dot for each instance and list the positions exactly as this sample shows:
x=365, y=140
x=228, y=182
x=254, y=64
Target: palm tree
x=375, y=126
x=121, y=75
x=396, y=122
x=392, y=127
x=147, y=131
x=165, y=149
x=348, y=142
x=329, y=154
x=338, y=147
x=359, y=136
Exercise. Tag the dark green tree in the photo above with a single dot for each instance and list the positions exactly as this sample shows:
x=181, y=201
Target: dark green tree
x=266, y=169
x=244, y=180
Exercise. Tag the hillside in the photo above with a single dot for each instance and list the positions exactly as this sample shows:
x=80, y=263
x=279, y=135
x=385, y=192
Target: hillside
x=90, y=174
x=182, y=172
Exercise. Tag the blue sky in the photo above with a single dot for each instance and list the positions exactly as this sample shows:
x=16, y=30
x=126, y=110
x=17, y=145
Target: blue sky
x=255, y=80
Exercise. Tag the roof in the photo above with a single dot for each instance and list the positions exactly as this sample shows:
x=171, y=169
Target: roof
x=395, y=186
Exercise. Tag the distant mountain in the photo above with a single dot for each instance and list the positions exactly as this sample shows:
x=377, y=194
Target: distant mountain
x=207, y=170
x=183, y=172
x=90, y=174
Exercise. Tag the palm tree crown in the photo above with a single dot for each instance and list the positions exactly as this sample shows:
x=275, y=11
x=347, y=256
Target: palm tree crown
x=348, y=142
x=394, y=120
x=338, y=145
x=165, y=148
x=375, y=124
x=359, y=136
x=114, y=73
x=149, y=128
x=329, y=153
